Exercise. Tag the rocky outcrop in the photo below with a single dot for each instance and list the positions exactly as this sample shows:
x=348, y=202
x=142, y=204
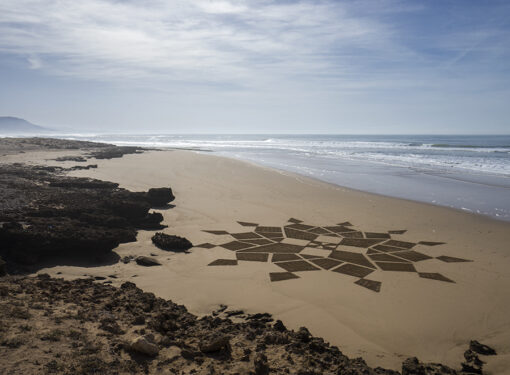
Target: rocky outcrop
x=84, y=326
x=412, y=366
x=171, y=243
x=160, y=196
x=145, y=345
x=53, y=218
x=146, y=261
x=111, y=152
x=3, y=268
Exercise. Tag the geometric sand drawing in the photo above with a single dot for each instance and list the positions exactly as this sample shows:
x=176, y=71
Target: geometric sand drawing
x=298, y=247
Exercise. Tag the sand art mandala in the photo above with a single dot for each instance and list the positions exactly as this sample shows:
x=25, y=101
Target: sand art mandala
x=340, y=248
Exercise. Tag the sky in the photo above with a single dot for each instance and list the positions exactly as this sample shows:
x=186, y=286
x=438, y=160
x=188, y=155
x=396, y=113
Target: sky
x=245, y=66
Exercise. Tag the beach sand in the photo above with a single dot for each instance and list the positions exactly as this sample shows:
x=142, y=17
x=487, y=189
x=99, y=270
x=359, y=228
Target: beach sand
x=410, y=315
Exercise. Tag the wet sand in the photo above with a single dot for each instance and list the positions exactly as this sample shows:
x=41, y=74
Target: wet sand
x=410, y=315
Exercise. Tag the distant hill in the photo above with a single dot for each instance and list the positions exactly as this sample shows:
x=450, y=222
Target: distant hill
x=17, y=125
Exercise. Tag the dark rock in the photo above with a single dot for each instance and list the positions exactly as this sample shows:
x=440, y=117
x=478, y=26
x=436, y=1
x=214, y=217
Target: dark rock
x=471, y=368
x=472, y=357
x=160, y=196
x=78, y=159
x=217, y=344
x=234, y=313
x=82, y=183
x=112, y=152
x=12, y=226
x=412, y=366
x=3, y=268
x=171, y=242
x=110, y=325
x=82, y=167
x=145, y=345
x=303, y=334
x=147, y=262
x=279, y=326
x=260, y=364
x=188, y=354
x=479, y=348
x=68, y=220
x=138, y=320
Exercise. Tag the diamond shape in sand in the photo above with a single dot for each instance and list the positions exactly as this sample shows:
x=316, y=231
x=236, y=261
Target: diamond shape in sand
x=435, y=276
x=294, y=233
x=369, y=284
x=386, y=258
x=326, y=263
x=246, y=236
x=401, y=244
x=349, y=257
x=413, y=256
x=284, y=257
x=281, y=276
x=353, y=270
x=297, y=266
x=253, y=257
x=245, y=224
x=236, y=245
x=223, y=262
x=402, y=267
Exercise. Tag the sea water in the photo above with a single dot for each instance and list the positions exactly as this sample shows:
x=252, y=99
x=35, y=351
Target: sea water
x=471, y=173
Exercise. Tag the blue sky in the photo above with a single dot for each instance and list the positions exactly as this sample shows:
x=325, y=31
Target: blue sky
x=191, y=66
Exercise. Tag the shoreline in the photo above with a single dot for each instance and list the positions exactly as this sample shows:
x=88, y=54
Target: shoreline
x=214, y=192
x=298, y=175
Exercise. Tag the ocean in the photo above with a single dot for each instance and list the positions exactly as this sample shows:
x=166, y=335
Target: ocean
x=470, y=173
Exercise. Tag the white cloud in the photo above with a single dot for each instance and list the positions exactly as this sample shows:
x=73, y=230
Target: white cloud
x=247, y=44
x=238, y=43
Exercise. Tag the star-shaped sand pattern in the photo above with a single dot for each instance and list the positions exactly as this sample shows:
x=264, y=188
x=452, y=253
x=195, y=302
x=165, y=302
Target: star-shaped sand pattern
x=298, y=247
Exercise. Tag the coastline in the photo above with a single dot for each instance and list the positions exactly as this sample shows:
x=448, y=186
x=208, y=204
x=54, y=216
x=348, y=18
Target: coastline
x=214, y=192
x=409, y=317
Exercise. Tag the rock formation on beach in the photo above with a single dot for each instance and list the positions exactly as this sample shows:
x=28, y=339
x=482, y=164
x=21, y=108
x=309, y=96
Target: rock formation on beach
x=53, y=326
x=48, y=217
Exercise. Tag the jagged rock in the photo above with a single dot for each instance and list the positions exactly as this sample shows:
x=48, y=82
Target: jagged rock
x=260, y=364
x=471, y=368
x=3, y=270
x=67, y=218
x=79, y=159
x=147, y=262
x=412, y=366
x=279, y=326
x=88, y=302
x=111, y=152
x=234, y=313
x=481, y=348
x=160, y=196
x=12, y=226
x=82, y=183
x=145, y=345
x=110, y=325
x=151, y=221
x=303, y=334
x=171, y=242
x=218, y=344
x=472, y=357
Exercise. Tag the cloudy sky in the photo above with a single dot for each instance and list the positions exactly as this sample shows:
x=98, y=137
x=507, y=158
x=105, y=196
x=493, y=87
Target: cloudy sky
x=246, y=66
